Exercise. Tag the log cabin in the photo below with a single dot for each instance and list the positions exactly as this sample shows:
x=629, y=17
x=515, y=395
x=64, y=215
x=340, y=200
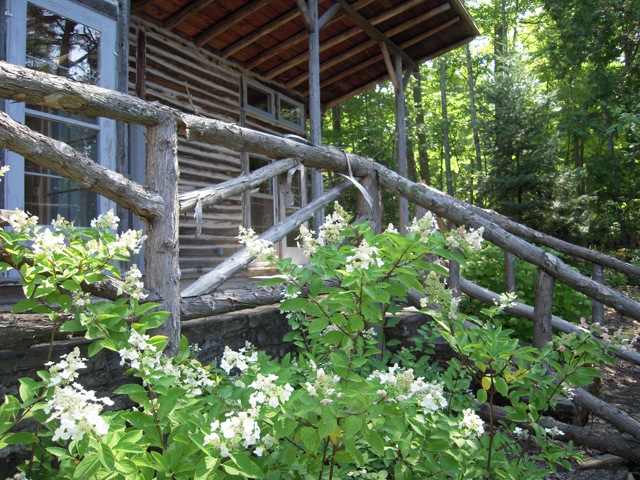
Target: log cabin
x=270, y=65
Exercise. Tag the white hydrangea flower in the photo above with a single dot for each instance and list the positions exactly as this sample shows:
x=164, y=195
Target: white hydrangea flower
x=471, y=424
x=425, y=227
x=363, y=257
x=129, y=241
x=21, y=221
x=106, y=222
x=307, y=241
x=66, y=370
x=47, y=242
x=263, y=250
x=553, y=431
x=4, y=169
x=133, y=284
x=240, y=359
x=520, y=433
x=61, y=223
x=267, y=391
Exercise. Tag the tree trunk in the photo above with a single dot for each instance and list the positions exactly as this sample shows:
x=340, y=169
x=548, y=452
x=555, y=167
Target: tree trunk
x=423, y=158
x=474, y=125
x=445, y=124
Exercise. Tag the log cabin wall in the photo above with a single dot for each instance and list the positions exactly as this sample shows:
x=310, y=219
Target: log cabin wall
x=166, y=68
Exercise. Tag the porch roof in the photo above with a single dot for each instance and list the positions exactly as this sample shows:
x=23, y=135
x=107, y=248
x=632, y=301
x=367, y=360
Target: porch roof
x=269, y=37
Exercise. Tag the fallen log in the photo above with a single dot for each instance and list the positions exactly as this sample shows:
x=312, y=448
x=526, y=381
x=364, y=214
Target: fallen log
x=620, y=445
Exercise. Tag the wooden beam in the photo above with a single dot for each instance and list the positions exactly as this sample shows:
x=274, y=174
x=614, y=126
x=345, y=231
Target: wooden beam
x=242, y=258
x=210, y=33
x=542, y=310
x=389, y=64
x=306, y=15
x=184, y=13
x=374, y=33
x=138, y=5
x=328, y=15
x=71, y=164
x=216, y=193
x=162, y=266
x=259, y=33
x=291, y=41
x=352, y=32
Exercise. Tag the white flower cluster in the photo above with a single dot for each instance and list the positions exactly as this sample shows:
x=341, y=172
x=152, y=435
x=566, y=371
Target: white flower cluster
x=363, y=256
x=471, y=424
x=267, y=391
x=133, y=284
x=263, y=250
x=47, y=242
x=145, y=357
x=61, y=223
x=241, y=359
x=506, y=300
x=400, y=385
x=129, y=241
x=425, y=227
x=106, y=222
x=77, y=410
x=520, y=433
x=4, y=169
x=325, y=387
x=329, y=232
x=553, y=431
x=473, y=238
x=240, y=428
x=21, y=221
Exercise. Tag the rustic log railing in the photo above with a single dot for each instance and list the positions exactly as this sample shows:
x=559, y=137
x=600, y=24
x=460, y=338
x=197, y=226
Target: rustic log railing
x=159, y=206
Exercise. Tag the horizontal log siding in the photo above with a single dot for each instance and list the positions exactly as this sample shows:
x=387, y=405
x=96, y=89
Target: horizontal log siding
x=193, y=80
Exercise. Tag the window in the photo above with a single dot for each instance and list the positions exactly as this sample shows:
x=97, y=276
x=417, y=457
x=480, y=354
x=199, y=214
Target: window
x=261, y=200
x=63, y=38
x=267, y=102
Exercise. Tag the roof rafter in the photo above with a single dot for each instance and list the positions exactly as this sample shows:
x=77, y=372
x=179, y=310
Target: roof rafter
x=341, y=38
x=295, y=39
x=374, y=33
x=294, y=82
x=210, y=33
x=184, y=13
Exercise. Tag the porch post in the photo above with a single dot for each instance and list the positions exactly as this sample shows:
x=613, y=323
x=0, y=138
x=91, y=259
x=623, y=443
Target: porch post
x=401, y=142
x=315, y=114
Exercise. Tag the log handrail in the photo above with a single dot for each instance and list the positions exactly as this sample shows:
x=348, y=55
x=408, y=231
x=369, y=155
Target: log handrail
x=23, y=84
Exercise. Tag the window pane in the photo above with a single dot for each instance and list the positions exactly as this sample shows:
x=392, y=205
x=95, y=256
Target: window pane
x=261, y=213
x=259, y=99
x=46, y=193
x=63, y=47
x=290, y=112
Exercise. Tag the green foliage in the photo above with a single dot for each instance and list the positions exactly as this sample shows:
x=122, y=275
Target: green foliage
x=486, y=268
x=341, y=406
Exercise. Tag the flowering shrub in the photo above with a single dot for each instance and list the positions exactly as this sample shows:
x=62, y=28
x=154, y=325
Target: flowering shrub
x=343, y=405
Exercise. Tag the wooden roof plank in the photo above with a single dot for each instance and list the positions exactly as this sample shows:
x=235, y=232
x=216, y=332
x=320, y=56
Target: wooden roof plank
x=259, y=33
x=184, y=13
x=139, y=5
x=374, y=33
x=291, y=41
x=210, y=33
x=343, y=37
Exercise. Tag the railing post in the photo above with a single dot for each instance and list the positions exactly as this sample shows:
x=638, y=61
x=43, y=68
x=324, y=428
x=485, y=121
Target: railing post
x=372, y=213
x=454, y=278
x=162, y=269
x=542, y=309
x=510, y=272
x=597, y=309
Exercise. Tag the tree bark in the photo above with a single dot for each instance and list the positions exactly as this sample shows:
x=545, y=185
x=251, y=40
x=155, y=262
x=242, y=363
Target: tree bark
x=445, y=125
x=162, y=268
x=474, y=125
x=542, y=310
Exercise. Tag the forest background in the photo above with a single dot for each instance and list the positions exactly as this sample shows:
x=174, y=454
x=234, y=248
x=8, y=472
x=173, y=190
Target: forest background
x=538, y=119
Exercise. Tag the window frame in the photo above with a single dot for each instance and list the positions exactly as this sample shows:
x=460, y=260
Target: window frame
x=275, y=102
x=14, y=183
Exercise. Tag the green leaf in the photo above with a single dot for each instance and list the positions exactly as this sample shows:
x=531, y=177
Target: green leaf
x=310, y=439
x=137, y=393
x=294, y=304
x=20, y=438
x=87, y=467
x=501, y=386
x=375, y=441
x=244, y=466
x=168, y=401
x=318, y=325
x=481, y=395
x=328, y=425
x=272, y=282
x=107, y=459
x=25, y=305
x=154, y=319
